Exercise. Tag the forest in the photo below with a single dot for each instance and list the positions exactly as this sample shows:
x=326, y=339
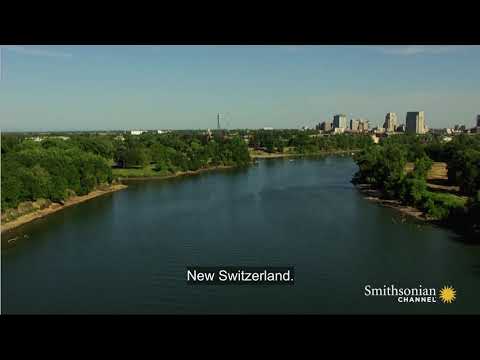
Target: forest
x=56, y=168
x=307, y=142
x=384, y=167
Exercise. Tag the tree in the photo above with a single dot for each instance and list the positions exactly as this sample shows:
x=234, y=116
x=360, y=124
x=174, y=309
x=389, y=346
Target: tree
x=422, y=166
x=464, y=170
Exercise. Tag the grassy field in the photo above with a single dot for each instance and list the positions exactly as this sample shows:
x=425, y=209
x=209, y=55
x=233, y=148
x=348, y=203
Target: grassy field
x=437, y=172
x=147, y=171
x=290, y=151
x=287, y=151
x=437, y=184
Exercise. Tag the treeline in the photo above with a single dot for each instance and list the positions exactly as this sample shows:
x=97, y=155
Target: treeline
x=51, y=170
x=308, y=141
x=462, y=156
x=181, y=152
x=55, y=169
x=384, y=167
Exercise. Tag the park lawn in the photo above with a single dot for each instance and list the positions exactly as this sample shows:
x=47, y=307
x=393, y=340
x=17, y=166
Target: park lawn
x=438, y=170
x=147, y=171
x=437, y=184
x=448, y=198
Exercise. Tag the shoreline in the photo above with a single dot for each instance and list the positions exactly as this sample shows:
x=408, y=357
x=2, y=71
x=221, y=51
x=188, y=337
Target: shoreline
x=375, y=196
x=53, y=208
x=178, y=174
x=283, y=155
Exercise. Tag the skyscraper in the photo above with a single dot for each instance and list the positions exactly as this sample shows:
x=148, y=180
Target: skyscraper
x=325, y=126
x=340, y=121
x=478, y=120
x=390, y=122
x=354, y=124
x=415, y=122
x=363, y=125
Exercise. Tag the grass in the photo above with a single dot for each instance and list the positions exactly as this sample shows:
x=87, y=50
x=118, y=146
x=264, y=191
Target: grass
x=437, y=172
x=437, y=179
x=447, y=198
x=147, y=171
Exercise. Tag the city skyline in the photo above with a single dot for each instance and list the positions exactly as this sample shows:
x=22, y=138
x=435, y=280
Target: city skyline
x=62, y=88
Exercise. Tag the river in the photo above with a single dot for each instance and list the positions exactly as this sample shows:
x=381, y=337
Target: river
x=126, y=252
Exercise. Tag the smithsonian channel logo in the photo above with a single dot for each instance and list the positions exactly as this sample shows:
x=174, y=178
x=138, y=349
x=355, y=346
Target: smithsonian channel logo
x=445, y=295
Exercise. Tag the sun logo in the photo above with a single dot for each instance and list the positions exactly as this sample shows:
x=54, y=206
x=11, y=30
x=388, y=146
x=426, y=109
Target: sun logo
x=447, y=294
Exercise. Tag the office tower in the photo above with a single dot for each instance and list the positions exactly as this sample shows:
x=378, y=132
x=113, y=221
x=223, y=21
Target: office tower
x=340, y=121
x=390, y=122
x=325, y=126
x=363, y=125
x=415, y=122
x=354, y=124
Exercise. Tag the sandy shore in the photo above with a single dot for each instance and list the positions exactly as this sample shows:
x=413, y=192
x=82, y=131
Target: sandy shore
x=376, y=196
x=57, y=207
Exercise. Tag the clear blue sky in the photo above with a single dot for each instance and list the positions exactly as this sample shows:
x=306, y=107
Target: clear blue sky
x=183, y=87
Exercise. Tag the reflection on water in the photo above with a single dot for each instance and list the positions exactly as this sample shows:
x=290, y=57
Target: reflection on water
x=126, y=252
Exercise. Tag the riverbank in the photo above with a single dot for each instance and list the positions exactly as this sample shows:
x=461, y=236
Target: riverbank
x=54, y=207
x=265, y=155
x=461, y=228
x=376, y=196
x=170, y=176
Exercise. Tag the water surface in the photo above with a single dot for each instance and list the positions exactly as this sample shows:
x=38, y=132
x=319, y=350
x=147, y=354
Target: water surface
x=126, y=252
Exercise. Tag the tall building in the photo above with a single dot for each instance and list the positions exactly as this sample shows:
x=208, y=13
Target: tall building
x=390, y=122
x=478, y=120
x=415, y=122
x=363, y=125
x=325, y=126
x=340, y=121
x=354, y=124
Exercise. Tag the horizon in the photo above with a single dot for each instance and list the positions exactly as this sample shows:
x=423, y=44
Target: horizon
x=109, y=88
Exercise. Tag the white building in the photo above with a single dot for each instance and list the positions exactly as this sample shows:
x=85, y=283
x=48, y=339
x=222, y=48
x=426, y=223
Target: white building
x=35, y=138
x=136, y=132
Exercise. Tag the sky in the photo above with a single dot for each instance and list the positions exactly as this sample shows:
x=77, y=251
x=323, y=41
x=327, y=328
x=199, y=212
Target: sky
x=65, y=88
